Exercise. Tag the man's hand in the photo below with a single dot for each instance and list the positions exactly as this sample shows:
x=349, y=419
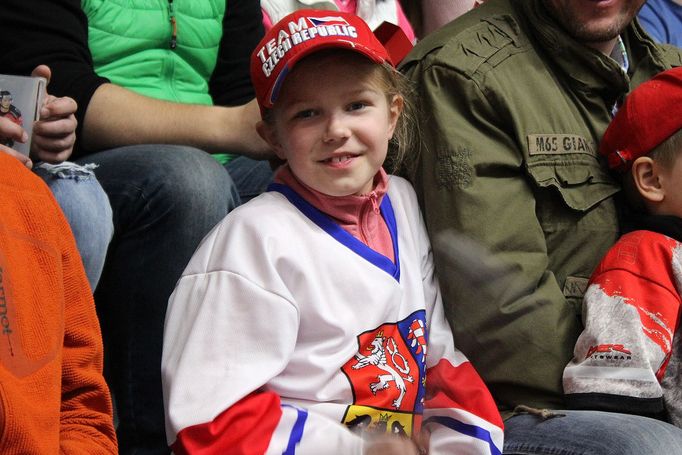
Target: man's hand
x=55, y=133
x=253, y=145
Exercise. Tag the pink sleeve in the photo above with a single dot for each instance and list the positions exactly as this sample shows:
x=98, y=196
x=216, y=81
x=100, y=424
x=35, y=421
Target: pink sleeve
x=267, y=22
x=405, y=24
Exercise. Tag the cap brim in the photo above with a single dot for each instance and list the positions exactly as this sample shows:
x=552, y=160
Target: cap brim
x=313, y=47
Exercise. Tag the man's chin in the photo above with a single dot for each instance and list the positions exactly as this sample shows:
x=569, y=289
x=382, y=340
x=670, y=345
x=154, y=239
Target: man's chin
x=594, y=36
x=598, y=38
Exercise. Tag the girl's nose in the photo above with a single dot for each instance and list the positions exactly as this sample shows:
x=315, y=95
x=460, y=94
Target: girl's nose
x=336, y=129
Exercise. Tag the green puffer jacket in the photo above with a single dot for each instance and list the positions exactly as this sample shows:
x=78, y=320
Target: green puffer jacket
x=514, y=110
x=130, y=42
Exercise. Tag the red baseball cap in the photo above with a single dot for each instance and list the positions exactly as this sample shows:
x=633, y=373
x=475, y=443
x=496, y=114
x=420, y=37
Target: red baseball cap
x=651, y=113
x=306, y=31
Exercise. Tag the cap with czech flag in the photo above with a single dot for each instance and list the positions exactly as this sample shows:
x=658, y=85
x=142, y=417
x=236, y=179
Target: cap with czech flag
x=306, y=31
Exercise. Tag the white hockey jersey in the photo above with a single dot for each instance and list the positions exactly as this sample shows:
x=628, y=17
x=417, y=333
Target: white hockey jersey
x=286, y=334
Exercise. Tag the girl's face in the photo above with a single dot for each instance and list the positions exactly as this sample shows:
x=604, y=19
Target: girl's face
x=332, y=123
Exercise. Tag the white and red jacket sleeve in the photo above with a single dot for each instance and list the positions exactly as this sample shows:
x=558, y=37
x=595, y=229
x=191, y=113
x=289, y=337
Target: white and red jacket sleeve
x=630, y=312
x=218, y=357
x=459, y=411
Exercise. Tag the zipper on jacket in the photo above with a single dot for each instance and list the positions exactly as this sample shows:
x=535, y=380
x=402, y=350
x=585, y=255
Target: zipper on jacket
x=174, y=26
x=370, y=206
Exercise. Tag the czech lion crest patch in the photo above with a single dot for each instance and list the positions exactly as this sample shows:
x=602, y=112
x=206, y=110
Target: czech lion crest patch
x=388, y=376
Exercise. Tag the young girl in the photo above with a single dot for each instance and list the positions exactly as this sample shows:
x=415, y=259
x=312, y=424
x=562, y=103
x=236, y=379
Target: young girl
x=310, y=321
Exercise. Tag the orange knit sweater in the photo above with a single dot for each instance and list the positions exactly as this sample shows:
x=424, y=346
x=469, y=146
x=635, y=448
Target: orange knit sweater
x=53, y=398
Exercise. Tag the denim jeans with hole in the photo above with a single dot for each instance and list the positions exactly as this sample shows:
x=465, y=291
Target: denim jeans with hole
x=86, y=207
x=165, y=199
x=590, y=433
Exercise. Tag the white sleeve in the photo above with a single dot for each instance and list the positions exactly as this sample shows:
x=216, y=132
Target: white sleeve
x=225, y=338
x=460, y=413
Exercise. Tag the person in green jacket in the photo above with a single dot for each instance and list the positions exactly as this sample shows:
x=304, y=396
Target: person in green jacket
x=516, y=95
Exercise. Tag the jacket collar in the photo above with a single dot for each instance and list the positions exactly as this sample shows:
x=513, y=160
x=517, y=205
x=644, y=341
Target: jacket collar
x=587, y=70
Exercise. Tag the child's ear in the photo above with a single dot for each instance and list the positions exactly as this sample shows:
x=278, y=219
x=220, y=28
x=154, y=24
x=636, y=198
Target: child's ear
x=394, y=110
x=646, y=176
x=269, y=135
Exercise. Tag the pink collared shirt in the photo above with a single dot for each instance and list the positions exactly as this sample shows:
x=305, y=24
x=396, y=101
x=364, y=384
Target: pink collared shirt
x=360, y=216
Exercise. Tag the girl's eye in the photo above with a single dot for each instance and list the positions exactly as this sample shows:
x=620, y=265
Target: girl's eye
x=356, y=106
x=305, y=113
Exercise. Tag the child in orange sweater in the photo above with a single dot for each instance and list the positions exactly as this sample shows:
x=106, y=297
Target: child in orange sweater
x=53, y=397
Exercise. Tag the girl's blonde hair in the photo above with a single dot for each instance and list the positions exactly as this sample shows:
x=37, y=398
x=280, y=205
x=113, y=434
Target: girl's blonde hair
x=405, y=140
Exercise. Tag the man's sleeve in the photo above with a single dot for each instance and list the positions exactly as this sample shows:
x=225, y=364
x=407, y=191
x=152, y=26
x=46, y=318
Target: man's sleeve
x=459, y=412
x=53, y=33
x=230, y=83
x=86, y=410
x=471, y=179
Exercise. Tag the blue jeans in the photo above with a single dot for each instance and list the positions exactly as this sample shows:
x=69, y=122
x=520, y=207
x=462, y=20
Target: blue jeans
x=590, y=433
x=250, y=176
x=86, y=207
x=165, y=199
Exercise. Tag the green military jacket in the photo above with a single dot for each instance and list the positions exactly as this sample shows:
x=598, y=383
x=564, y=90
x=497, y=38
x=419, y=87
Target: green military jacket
x=514, y=109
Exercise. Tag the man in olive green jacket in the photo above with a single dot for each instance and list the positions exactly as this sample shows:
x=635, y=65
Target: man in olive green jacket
x=516, y=96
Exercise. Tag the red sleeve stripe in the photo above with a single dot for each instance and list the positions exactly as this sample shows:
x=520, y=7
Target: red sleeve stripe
x=460, y=388
x=245, y=429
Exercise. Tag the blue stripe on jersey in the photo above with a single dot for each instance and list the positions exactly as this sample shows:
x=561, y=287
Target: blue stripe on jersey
x=389, y=216
x=467, y=429
x=332, y=228
x=296, y=431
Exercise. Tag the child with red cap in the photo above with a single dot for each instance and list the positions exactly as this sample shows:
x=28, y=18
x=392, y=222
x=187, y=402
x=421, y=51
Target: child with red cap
x=310, y=321
x=628, y=357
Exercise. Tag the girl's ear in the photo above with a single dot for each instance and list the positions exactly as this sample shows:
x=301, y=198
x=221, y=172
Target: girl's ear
x=394, y=111
x=646, y=177
x=267, y=132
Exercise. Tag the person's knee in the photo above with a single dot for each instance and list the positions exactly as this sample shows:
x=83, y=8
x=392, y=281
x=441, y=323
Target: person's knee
x=80, y=196
x=194, y=183
x=251, y=177
x=590, y=432
x=163, y=190
x=86, y=207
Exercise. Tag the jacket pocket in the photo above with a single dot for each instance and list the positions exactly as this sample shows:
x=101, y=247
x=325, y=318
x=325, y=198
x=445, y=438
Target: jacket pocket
x=575, y=207
x=580, y=181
